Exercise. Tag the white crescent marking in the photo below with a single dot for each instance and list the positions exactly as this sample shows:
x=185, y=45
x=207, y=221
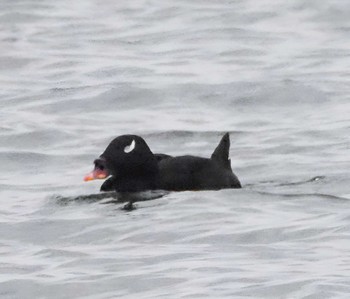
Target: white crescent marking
x=130, y=148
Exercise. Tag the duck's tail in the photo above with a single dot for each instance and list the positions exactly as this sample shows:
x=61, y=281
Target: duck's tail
x=221, y=153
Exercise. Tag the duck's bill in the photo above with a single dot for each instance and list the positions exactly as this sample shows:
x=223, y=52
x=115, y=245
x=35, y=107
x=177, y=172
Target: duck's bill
x=96, y=174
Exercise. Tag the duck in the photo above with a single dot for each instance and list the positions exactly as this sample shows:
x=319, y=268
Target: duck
x=129, y=165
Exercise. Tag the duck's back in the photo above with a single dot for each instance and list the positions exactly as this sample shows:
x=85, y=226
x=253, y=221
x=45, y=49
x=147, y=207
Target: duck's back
x=195, y=173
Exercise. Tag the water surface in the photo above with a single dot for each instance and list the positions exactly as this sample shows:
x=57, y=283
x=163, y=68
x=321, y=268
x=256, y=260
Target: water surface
x=275, y=74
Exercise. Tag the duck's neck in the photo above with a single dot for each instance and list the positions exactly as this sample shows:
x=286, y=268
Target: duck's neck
x=136, y=184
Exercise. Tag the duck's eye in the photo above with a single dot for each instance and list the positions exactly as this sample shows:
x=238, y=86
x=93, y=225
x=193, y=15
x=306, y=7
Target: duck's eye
x=100, y=167
x=129, y=148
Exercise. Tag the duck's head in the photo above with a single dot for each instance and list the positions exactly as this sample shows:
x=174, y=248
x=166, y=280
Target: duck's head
x=125, y=156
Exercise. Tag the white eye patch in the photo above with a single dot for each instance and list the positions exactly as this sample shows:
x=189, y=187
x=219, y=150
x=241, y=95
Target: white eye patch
x=130, y=148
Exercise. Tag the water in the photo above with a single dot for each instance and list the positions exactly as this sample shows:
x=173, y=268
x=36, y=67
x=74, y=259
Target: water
x=275, y=74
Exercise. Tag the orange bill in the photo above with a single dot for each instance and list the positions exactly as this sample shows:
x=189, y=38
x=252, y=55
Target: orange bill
x=96, y=174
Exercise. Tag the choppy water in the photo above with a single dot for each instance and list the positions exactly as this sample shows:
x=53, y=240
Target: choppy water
x=75, y=74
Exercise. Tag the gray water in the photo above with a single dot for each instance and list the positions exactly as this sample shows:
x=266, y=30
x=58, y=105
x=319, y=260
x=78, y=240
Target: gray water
x=273, y=73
